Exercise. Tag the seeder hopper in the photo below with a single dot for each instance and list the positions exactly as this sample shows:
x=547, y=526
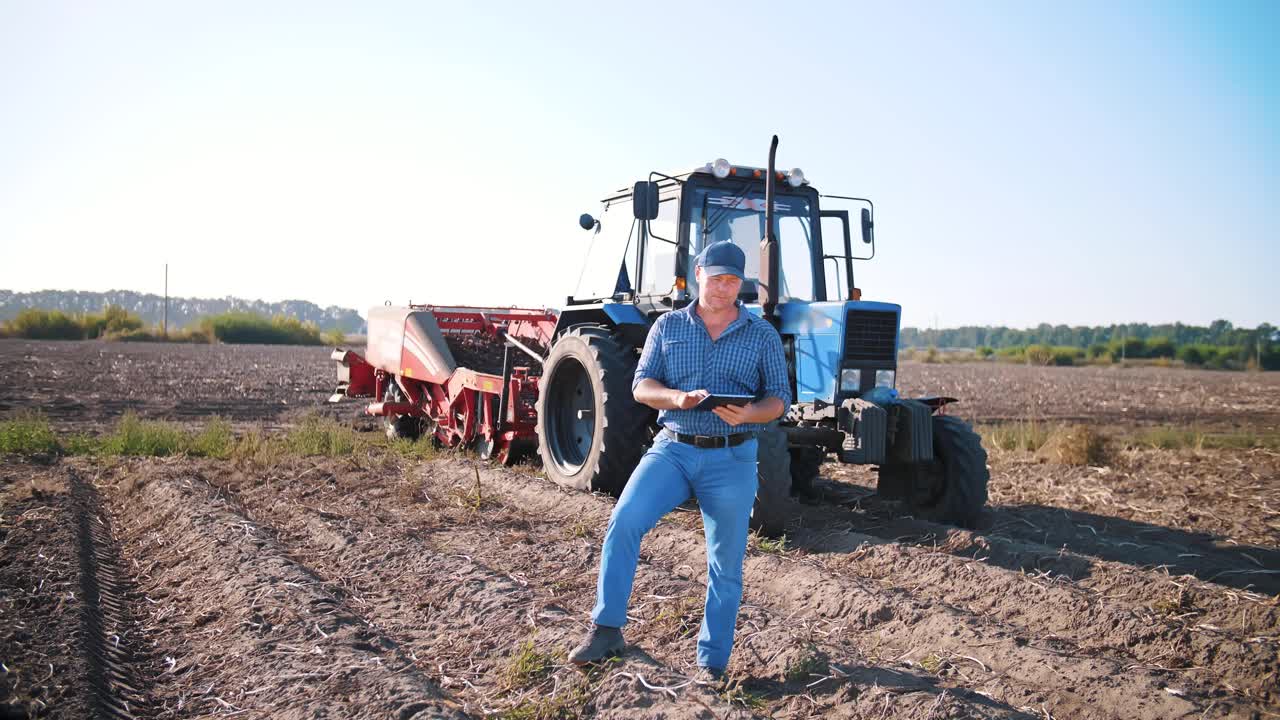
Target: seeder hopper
x=462, y=376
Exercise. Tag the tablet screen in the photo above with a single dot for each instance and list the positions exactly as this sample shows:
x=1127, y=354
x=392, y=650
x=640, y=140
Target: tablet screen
x=717, y=399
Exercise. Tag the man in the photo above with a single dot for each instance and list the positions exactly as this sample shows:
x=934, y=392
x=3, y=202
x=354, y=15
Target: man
x=711, y=346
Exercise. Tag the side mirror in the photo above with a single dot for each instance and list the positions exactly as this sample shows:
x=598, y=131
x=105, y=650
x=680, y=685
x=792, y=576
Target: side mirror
x=644, y=199
x=586, y=222
x=868, y=227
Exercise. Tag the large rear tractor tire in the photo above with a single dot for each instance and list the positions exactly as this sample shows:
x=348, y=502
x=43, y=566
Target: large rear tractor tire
x=953, y=487
x=590, y=428
x=774, y=507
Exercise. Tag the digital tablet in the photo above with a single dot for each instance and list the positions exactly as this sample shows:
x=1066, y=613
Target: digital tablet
x=717, y=399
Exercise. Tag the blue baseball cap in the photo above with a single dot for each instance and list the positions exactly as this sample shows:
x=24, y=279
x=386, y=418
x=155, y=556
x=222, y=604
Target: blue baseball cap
x=723, y=258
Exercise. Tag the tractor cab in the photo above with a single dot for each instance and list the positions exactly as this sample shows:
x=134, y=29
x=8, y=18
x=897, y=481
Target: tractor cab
x=641, y=264
x=646, y=237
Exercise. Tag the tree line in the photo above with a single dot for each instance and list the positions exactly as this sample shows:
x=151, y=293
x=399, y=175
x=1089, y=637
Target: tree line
x=1217, y=345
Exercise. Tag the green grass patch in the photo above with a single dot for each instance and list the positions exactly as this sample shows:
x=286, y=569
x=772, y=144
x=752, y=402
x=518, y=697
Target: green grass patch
x=28, y=434
x=318, y=436
x=214, y=441
x=1028, y=435
x=528, y=666
x=773, y=546
x=134, y=436
x=420, y=449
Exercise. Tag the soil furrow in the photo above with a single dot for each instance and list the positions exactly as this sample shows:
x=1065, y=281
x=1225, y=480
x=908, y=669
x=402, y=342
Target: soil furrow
x=554, y=568
x=106, y=623
x=44, y=672
x=460, y=618
x=271, y=639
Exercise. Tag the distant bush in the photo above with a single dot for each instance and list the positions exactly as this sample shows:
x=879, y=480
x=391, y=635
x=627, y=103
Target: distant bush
x=334, y=337
x=1160, y=347
x=249, y=328
x=35, y=324
x=984, y=351
x=1015, y=354
x=113, y=320
x=1192, y=354
x=1039, y=355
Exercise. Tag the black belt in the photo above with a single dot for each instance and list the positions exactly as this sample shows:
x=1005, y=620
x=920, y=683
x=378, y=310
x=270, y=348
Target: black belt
x=712, y=441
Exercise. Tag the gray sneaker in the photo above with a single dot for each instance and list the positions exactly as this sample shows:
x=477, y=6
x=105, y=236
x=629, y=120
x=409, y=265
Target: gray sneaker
x=603, y=642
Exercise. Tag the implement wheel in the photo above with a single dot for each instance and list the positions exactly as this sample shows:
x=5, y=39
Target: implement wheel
x=589, y=425
x=406, y=427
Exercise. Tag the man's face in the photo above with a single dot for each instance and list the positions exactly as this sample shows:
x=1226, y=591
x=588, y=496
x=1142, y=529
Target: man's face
x=718, y=292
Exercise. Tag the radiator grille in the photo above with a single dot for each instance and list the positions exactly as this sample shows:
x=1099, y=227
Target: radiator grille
x=870, y=338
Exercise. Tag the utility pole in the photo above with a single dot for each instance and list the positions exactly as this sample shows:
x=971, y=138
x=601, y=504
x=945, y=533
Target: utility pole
x=166, y=301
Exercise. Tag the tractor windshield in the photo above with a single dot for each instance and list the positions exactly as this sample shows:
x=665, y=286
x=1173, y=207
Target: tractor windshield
x=727, y=213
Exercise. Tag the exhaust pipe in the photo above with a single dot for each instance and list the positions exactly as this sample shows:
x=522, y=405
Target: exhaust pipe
x=769, y=258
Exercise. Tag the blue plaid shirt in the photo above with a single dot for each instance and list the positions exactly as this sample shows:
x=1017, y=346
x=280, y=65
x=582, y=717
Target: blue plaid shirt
x=747, y=359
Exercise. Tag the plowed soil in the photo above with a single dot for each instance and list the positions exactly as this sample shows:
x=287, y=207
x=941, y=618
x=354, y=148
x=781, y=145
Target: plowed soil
x=375, y=586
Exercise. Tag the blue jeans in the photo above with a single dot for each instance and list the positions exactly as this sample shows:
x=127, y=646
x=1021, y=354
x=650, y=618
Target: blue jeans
x=724, y=482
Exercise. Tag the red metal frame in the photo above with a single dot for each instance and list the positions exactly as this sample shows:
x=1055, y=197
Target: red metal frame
x=462, y=408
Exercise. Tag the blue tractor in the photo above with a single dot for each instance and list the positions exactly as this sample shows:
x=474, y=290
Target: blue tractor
x=841, y=350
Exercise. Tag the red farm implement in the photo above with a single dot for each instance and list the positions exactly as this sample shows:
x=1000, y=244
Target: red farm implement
x=465, y=376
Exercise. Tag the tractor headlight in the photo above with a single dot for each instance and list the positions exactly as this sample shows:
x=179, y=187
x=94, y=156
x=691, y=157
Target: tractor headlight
x=796, y=177
x=884, y=378
x=720, y=168
x=850, y=380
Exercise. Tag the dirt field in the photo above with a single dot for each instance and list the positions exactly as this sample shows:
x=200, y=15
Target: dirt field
x=375, y=586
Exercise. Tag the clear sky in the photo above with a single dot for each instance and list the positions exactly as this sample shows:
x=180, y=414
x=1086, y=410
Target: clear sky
x=1079, y=163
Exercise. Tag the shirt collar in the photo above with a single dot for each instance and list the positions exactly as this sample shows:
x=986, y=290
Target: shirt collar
x=743, y=315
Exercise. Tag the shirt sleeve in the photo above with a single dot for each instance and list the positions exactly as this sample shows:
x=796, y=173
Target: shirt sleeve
x=652, y=364
x=773, y=365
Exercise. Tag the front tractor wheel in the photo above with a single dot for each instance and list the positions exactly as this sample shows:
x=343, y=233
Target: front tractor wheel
x=952, y=488
x=774, y=508
x=590, y=428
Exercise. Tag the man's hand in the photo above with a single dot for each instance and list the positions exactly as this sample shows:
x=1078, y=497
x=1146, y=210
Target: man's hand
x=689, y=400
x=764, y=411
x=660, y=397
